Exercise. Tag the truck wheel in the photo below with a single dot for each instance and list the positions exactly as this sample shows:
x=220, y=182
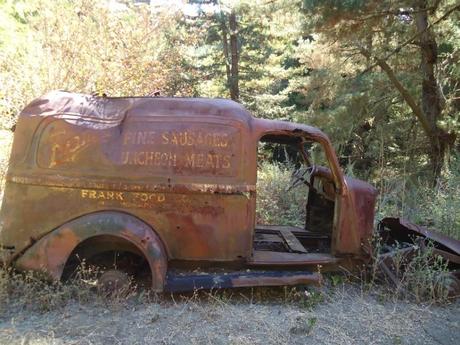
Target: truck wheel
x=109, y=271
x=113, y=283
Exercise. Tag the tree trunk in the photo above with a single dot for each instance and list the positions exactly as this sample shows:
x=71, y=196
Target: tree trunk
x=429, y=112
x=223, y=27
x=234, y=88
x=431, y=98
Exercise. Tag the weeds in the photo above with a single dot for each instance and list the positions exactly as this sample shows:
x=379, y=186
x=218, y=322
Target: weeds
x=410, y=271
x=30, y=291
x=425, y=276
x=274, y=204
x=435, y=207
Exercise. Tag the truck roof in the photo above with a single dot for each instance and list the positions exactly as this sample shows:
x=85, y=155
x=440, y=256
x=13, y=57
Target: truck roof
x=118, y=108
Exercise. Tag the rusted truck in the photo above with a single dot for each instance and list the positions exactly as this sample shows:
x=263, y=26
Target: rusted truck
x=164, y=189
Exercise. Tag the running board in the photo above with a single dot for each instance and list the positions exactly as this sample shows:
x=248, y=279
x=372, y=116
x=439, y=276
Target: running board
x=270, y=258
x=189, y=282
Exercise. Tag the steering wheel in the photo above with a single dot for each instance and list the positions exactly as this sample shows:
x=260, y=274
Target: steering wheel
x=301, y=175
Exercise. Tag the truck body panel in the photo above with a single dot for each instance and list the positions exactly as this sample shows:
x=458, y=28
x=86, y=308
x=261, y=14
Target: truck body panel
x=185, y=167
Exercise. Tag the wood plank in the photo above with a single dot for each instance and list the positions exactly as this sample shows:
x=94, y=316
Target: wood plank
x=292, y=242
x=275, y=238
x=279, y=228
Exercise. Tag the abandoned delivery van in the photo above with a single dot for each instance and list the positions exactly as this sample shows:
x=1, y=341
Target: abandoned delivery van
x=154, y=188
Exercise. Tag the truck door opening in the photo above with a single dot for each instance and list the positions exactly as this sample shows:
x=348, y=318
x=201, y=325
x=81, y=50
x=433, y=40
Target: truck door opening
x=295, y=202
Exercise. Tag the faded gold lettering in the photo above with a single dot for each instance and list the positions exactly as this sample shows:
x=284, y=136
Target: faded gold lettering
x=208, y=143
x=150, y=158
x=101, y=194
x=139, y=138
x=174, y=139
x=67, y=150
x=157, y=158
x=148, y=197
x=209, y=161
x=165, y=138
x=128, y=138
x=226, y=161
x=200, y=160
x=195, y=138
x=190, y=161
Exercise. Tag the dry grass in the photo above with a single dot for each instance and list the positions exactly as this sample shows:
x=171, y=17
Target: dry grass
x=344, y=314
x=6, y=140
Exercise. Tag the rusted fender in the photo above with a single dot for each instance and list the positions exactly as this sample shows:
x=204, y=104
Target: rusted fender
x=402, y=230
x=50, y=253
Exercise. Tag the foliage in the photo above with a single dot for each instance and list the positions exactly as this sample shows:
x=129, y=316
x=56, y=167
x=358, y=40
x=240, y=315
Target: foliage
x=299, y=61
x=274, y=204
x=419, y=202
x=384, y=77
x=421, y=276
x=87, y=46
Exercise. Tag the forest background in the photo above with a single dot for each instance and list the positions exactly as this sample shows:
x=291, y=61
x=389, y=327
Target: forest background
x=381, y=78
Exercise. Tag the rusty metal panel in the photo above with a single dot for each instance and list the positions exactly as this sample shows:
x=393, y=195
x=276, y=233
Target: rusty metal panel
x=51, y=253
x=401, y=229
x=191, y=282
x=179, y=164
x=408, y=240
x=154, y=147
x=186, y=167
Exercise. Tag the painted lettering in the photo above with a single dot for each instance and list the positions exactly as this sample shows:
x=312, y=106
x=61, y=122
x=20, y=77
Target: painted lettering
x=101, y=195
x=208, y=161
x=195, y=138
x=226, y=161
x=139, y=138
x=148, y=158
x=148, y=197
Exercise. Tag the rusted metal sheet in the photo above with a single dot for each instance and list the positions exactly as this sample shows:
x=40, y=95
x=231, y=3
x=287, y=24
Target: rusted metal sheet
x=398, y=231
x=187, y=168
x=51, y=253
x=187, y=282
x=271, y=258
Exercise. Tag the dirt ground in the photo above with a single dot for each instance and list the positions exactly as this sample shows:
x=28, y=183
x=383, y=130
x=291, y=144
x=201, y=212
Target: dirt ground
x=346, y=316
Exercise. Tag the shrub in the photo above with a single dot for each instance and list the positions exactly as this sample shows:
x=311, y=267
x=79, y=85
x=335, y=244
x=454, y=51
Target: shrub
x=435, y=207
x=275, y=205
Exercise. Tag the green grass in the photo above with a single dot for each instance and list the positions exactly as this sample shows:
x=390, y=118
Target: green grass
x=436, y=207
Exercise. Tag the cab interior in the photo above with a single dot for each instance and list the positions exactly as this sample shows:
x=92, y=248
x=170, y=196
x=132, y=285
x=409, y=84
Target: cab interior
x=300, y=233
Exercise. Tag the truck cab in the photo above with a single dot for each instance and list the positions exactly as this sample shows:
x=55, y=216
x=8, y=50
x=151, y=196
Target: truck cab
x=171, y=182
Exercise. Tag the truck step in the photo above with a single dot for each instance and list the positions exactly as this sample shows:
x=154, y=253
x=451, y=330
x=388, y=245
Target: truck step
x=272, y=258
x=176, y=282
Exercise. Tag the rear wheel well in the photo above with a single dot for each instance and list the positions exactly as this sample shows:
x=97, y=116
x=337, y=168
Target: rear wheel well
x=106, y=252
x=97, y=233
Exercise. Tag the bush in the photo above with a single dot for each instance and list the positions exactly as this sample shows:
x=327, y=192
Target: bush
x=437, y=208
x=275, y=205
x=86, y=46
